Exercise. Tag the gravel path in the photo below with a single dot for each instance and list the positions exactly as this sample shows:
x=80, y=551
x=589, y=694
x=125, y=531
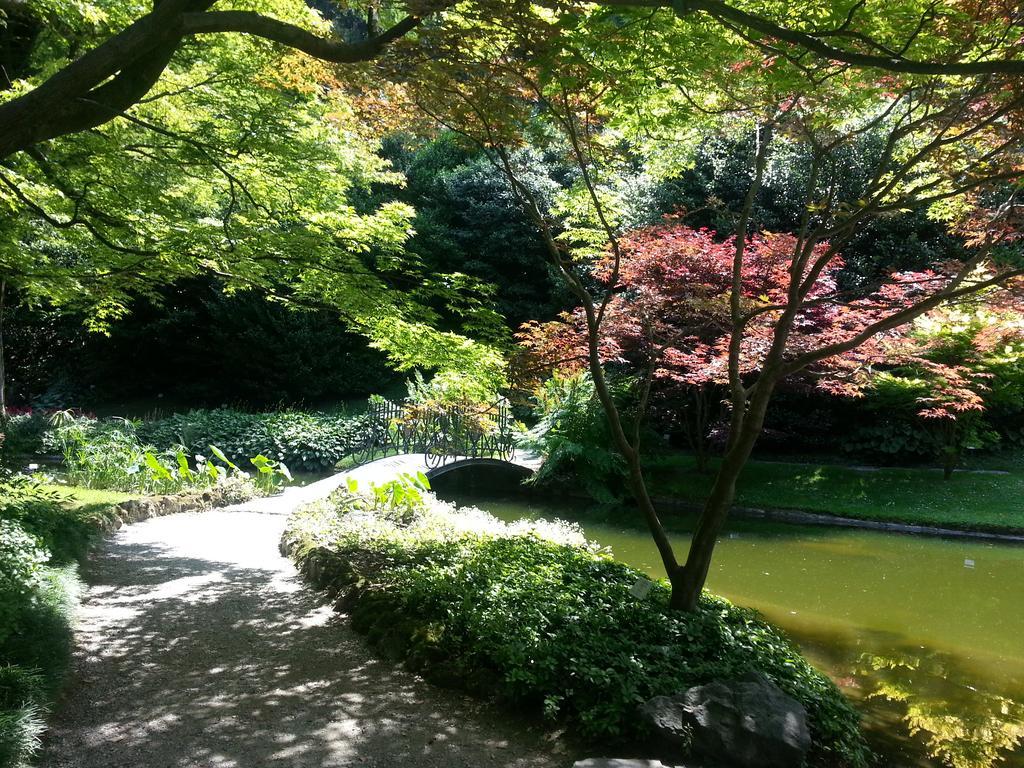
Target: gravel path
x=199, y=646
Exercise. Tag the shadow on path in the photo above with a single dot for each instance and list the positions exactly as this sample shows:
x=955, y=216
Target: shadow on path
x=197, y=646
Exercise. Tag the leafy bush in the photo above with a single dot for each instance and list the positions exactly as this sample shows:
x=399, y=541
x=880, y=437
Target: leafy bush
x=98, y=454
x=307, y=442
x=897, y=438
x=36, y=601
x=64, y=531
x=43, y=639
x=21, y=434
x=22, y=557
x=37, y=594
x=109, y=455
x=34, y=659
x=572, y=435
x=891, y=427
x=534, y=613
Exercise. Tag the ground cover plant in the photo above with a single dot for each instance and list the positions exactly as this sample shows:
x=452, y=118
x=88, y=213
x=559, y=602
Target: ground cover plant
x=41, y=539
x=531, y=612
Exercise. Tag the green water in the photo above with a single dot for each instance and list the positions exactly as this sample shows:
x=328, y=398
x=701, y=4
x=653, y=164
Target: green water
x=926, y=635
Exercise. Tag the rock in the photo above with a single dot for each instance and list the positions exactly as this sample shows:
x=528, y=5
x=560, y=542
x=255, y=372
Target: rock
x=747, y=723
x=665, y=717
x=617, y=762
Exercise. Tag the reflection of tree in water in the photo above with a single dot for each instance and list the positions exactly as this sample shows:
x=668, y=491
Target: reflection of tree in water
x=963, y=726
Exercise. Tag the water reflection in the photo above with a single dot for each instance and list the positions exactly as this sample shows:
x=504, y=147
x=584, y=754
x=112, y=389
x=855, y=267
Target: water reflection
x=962, y=725
x=926, y=636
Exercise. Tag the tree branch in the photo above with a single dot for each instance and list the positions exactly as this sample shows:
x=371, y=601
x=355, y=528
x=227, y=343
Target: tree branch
x=257, y=25
x=813, y=42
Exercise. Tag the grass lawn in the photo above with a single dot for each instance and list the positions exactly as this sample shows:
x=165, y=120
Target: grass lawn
x=78, y=497
x=969, y=501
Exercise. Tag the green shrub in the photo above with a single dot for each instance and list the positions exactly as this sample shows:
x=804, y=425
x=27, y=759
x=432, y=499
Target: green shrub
x=532, y=612
x=109, y=455
x=305, y=442
x=34, y=659
x=36, y=604
x=21, y=723
x=573, y=436
x=43, y=638
x=98, y=454
x=65, y=531
x=21, y=435
x=22, y=557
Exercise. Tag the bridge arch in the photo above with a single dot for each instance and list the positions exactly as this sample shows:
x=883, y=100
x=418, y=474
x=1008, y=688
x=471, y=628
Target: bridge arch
x=517, y=466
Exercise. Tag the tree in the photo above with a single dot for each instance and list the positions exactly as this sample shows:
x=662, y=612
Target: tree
x=668, y=324
x=71, y=70
x=468, y=221
x=235, y=168
x=668, y=319
x=714, y=184
x=949, y=147
x=100, y=85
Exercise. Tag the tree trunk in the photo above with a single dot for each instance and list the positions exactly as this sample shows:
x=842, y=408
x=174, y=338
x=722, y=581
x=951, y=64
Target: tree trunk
x=688, y=579
x=950, y=448
x=701, y=443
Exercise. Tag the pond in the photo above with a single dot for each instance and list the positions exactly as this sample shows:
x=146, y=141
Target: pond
x=925, y=635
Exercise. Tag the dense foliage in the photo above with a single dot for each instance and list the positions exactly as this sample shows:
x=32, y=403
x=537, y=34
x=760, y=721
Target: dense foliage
x=919, y=392
x=532, y=612
x=39, y=539
x=467, y=221
x=195, y=346
x=571, y=433
x=117, y=447
x=305, y=442
x=247, y=167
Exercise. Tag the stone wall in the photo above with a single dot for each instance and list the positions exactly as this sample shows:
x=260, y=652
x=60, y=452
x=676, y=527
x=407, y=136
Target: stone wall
x=145, y=507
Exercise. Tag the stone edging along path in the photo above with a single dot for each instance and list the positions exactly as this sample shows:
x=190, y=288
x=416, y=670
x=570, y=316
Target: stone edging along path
x=136, y=510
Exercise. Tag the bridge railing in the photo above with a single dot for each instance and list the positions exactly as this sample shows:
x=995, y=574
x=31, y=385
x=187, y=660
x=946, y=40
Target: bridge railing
x=441, y=432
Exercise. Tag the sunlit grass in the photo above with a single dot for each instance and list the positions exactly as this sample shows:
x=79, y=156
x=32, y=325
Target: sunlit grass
x=78, y=496
x=969, y=500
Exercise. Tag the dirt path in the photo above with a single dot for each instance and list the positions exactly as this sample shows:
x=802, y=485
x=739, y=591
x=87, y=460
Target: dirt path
x=199, y=646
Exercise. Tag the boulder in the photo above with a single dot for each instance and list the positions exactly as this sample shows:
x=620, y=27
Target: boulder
x=746, y=723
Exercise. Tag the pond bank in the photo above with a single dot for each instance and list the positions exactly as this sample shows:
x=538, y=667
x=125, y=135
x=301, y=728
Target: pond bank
x=923, y=633
x=898, y=499
x=1011, y=535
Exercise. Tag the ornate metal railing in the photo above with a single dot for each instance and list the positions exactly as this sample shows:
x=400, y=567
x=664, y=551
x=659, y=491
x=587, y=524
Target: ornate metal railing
x=440, y=432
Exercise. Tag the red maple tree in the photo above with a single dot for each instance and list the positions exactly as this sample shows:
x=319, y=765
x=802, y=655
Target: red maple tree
x=669, y=319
